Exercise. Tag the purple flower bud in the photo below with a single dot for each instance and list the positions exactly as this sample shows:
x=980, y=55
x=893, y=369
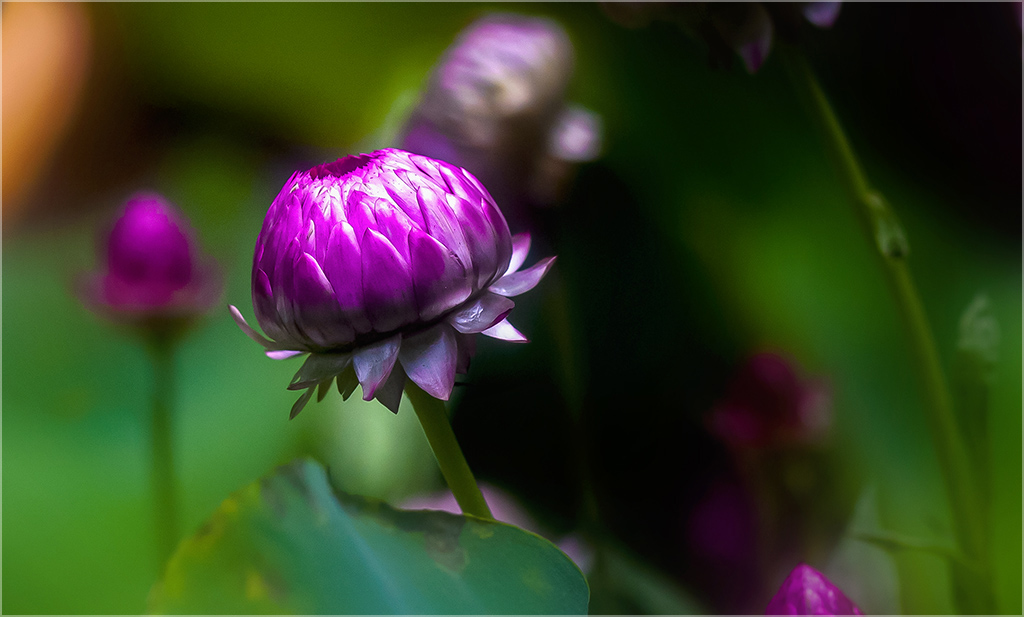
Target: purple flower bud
x=382, y=266
x=768, y=404
x=807, y=592
x=821, y=14
x=153, y=271
x=495, y=104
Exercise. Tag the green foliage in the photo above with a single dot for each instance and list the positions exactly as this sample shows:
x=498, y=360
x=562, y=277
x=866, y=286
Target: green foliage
x=288, y=544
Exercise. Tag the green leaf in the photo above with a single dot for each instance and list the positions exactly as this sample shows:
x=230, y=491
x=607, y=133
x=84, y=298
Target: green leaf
x=288, y=544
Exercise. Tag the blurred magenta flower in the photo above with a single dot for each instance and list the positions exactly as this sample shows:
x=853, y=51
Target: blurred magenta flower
x=768, y=404
x=495, y=104
x=383, y=266
x=807, y=592
x=154, y=274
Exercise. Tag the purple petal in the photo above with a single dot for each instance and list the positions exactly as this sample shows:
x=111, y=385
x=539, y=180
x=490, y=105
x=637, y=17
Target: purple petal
x=316, y=310
x=502, y=237
x=439, y=280
x=480, y=239
x=283, y=287
x=459, y=185
x=374, y=362
x=394, y=225
x=441, y=224
x=283, y=354
x=344, y=269
x=467, y=349
x=387, y=284
x=505, y=331
x=404, y=196
x=359, y=212
x=483, y=313
x=476, y=184
x=264, y=307
x=247, y=329
x=429, y=359
x=520, y=248
x=390, y=394
x=301, y=403
x=429, y=167
x=521, y=282
x=822, y=14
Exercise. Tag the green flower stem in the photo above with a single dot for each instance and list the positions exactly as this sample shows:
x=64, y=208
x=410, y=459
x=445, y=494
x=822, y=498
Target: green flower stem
x=434, y=420
x=162, y=471
x=884, y=230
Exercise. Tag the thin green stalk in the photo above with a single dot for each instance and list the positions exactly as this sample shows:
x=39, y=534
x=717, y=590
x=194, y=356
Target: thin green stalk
x=883, y=228
x=437, y=428
x=162, y=470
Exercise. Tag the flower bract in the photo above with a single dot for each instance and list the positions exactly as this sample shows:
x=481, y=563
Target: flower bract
x=383, y=266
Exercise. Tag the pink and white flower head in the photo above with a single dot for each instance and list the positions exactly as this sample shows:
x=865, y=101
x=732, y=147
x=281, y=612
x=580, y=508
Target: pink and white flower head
x=383, y=266
x=153, y=274
x=807, y=592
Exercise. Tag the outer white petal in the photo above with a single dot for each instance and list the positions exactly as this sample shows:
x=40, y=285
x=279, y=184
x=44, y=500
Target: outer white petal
x=505, y=331
x=484, y=312
x=520, y=247
x=522, y=282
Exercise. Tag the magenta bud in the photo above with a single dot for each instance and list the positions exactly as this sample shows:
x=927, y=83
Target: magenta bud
x=153, y=270
x=385, y=265
x=807, y=592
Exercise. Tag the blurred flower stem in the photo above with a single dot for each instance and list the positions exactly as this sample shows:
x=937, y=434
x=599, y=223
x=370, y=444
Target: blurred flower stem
x=973, y=589
x=161, y=351
x=434, y=420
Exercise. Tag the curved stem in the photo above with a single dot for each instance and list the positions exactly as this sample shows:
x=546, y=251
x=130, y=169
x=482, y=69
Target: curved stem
x=162, y=470
x=437, y=428
x=884, y=229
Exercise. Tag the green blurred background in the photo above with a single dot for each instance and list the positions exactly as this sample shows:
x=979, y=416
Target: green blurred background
x=711, y=227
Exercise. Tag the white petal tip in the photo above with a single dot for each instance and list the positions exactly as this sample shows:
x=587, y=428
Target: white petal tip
x=283, y=354
x=505, y=331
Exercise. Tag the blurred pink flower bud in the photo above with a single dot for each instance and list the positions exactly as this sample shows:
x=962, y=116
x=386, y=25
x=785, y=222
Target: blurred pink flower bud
x=807, y=592
x=153, y=272
x=768, y=404
x=495, y=105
